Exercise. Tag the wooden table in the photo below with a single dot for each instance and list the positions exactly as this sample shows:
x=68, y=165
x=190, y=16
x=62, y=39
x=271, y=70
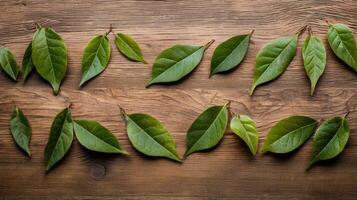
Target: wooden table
x=228, y=171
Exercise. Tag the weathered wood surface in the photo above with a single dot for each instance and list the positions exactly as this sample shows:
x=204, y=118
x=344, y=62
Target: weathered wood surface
x=227, y=172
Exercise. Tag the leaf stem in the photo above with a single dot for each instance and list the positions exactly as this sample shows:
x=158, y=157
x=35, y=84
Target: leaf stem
x=110, y=30
x=310, y=31
x=251, y=33
x=123, y=113
x=209, y=44
x=228, y=104
x=328, y=23
x=37, y=25
x=346, y=115
x=301, y=30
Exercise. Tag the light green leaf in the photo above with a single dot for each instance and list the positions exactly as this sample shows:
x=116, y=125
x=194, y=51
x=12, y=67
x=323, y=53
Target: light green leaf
x=330, y=139
x=49, y=55
x=128, y=47
x=229, y=54
x=289, y=134
x=95, y=58
x=20, y=130
x=27, y=65
x=245, y=128
x=60, y=139
x=343, y=44
x=96, y=137
x=8, y=63
x=207, y=130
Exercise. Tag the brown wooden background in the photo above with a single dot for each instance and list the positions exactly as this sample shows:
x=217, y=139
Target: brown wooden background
x=227, y=172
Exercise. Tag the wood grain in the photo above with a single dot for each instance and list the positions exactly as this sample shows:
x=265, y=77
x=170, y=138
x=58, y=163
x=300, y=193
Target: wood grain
x=228, y=171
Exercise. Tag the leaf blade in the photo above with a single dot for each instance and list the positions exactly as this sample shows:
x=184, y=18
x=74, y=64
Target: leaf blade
x=8, y=63
x=20, y=130
x=27, y=64
x=127, y=46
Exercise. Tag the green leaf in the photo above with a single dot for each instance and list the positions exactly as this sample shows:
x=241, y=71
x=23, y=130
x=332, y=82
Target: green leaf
x=245, y=128
x=207, y=130
x=343, y=44
x=273, y=59
x=330, y=139
x=49, y=55
x=128, y=47
x=96, y=137
x=95, y=58
x=8, y=63
x=60, y=139
x=229, y=54
x=27, y=64
x=289, y=134
x=150, y=137
x=176, y=62
x=314, y=56
x=20, y=130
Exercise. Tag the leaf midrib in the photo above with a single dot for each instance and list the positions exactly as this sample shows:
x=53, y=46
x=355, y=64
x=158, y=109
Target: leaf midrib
x=342, y=42
x=49, y=55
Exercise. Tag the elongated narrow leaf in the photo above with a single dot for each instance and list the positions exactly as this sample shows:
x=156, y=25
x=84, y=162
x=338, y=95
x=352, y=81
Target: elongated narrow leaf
x=8, y=63
x=229, y=54
x=207, y=130
x=96, y=137
x=128, y=47
x=27, y=64
x=60, y=139
x=273, y=59
x=95, y=58
x=176, y=62
x=150, y=137
x=49, y=55
x=330, y=139
x=289, y=134
x=245, y=128
x=21, y=130
x=314, y=56
x=343, y=44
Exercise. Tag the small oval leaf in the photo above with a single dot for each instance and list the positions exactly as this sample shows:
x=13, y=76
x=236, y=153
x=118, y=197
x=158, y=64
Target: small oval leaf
x=343, y=44
x=330, y=139
x=207, y=130
x=150, y=137
x=229, y=54
x=127, y=46
x=27, y=64
x=21, y=130
x=245, y=128
x=95, y=58
x=289, y=134
x=60, y=139
x=96, y=137
x=8, y=63
x=49, y=55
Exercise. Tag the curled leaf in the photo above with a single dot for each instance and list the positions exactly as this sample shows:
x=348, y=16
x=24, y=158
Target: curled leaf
x=20, y=130
x=128, y=47
x=8, y=63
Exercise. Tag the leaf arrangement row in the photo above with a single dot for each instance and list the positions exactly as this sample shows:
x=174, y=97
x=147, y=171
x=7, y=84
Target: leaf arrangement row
x=47, y=53
x=150, y=137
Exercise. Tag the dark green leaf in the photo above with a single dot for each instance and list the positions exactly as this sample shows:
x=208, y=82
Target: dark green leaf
x=343, y=44
x=207, y=130
x=245, y=128
x=96, y=137
x=330, y=139
x=27, y=65
x=20, y=130
x=60, y=139
x=95, y=58
x=8, y=63
x=289, y=134
x=229, y=54
x=49, y=55
x=128, y=47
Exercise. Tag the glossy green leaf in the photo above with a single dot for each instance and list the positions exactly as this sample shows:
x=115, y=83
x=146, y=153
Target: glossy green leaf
x=207, y=130
x=8, y=63
x=245, y=128
x=229, y=54
x=289, y=134
x=95, y=58
x=128, y=47
x=60, y=139
x=343, y=44
x=96, y=137
x=49, y=55
x=150, y=137
x=20, y=130
x=176, y=62
x=330, y=139
x=273, y=59
x=314, y=56
x=27, y=64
